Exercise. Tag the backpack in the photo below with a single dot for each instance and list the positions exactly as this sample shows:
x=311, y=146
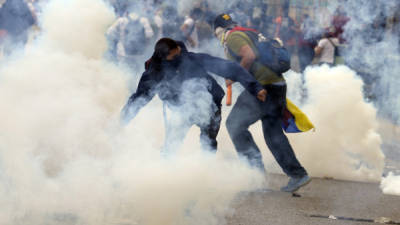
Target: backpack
x=271, y=52
x=134, y=37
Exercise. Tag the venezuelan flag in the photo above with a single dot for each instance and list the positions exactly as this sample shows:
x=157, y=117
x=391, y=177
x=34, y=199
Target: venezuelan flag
x=294, y=120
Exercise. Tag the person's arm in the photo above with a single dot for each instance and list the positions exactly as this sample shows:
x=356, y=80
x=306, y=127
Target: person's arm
x=294, y=25
x=247, y=56
x=143, y=95
x=241, y=48
x=187, y=29
x=148, y=30
x=113, y=32
x=318, y=49
x=229, y=70
x=278, y=24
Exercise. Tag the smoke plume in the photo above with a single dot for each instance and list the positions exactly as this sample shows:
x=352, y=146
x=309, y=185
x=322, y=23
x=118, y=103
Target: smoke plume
x=64, y=158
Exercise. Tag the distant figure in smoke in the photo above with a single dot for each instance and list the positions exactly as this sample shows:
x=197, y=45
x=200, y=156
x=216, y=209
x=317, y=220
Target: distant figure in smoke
x=15, y=20
x=247, y=111
x=171, y=23
x=339, y=21
x=129, y=36
x=189, y=29
x=325, y=50
x=260, y=20
x=208, y=14
x=306, y=43
x=287, y=29
x=241, y=12
x=181, y=79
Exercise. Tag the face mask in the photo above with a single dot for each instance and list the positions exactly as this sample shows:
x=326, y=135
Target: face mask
x=174, y=63
x=220, y=33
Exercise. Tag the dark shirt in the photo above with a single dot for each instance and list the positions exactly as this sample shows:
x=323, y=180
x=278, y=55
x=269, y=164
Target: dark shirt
x=167, y=83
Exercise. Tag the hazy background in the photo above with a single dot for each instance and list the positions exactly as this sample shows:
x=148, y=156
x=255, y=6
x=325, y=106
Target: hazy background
x=64, y=159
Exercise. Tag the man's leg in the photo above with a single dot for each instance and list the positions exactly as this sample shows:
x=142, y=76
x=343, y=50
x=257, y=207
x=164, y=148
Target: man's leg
x=208, y=135
x=244, y=113
x=280, y=147
x=274, y=137
x=277, y=141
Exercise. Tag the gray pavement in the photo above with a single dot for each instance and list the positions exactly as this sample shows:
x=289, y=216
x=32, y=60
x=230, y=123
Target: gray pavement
x=321, y=197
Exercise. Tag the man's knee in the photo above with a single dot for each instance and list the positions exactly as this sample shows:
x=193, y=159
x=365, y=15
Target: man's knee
x=253, y=157
x=276, y=141
x=232, y=126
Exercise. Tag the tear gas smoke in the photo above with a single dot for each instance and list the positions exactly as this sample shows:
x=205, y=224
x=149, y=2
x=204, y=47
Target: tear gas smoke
x=65, y=160
x=374, y=52
x=346, y=141
x=390, y=184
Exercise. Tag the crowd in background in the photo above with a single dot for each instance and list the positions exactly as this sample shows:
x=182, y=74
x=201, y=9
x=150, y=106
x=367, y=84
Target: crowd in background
x=140, y=24
x=306, y=39
x=156, y=19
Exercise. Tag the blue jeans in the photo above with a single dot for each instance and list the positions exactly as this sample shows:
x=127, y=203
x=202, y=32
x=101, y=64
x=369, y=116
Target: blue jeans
x=249, y=110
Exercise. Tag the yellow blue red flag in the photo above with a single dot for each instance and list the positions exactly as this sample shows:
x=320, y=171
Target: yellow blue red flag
x=294, y=120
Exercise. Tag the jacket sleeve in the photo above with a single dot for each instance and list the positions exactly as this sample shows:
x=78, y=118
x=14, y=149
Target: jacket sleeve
x=229, y=70
x=143, y=95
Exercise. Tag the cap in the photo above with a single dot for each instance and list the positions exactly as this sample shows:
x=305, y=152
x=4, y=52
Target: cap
x=223, y=20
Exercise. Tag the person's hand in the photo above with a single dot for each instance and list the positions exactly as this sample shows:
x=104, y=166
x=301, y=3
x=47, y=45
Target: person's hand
x=229, y=82
x=262, y=95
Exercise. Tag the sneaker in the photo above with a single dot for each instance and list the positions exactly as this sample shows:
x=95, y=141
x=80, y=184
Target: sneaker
x=295, y=183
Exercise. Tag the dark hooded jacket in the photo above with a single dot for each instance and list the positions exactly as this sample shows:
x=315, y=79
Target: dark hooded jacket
x=167, y=81
x=15, y=17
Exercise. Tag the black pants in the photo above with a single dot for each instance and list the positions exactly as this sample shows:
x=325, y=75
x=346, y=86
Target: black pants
x=177, y=129
x=209, y=132
x=249, y=110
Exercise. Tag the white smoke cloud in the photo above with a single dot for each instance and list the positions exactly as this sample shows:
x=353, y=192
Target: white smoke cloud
x=65, y=160
x=66, y=26
x=374, y=52
x=345, y=144
x=391, y=184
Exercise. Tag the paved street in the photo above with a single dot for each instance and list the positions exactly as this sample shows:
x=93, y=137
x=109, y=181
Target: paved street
x=321, y=198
